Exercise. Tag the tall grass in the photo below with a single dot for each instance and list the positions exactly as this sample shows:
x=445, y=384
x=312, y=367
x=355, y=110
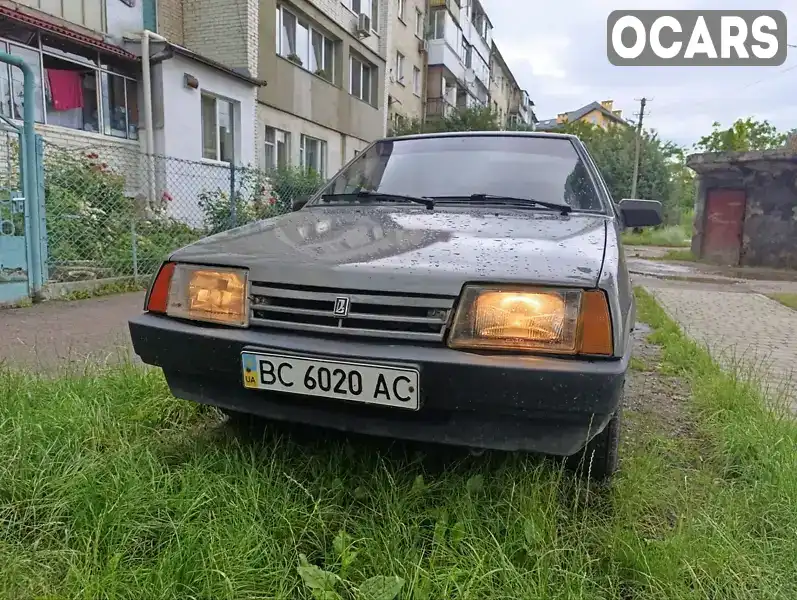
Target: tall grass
x=672, y=236
x=110, y=488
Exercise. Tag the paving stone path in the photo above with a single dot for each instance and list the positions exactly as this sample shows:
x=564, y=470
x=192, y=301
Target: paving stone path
x=743, y=329
x=53, y=336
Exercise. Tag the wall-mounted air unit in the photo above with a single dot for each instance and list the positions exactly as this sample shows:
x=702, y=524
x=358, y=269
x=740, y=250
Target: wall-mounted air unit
x=363, y=25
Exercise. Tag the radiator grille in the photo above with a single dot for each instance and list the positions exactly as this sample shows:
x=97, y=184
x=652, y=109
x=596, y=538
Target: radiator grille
x=371, y=314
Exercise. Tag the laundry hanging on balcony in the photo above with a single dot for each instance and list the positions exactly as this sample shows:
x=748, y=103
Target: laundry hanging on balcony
x=65, y=89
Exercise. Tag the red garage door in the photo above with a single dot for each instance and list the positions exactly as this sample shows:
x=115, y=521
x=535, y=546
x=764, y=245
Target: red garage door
x=722, y=239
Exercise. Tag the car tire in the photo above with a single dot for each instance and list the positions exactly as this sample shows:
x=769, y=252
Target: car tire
x=600, y=457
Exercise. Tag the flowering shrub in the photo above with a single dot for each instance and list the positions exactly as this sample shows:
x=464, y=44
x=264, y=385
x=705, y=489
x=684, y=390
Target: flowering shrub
x=90, y=220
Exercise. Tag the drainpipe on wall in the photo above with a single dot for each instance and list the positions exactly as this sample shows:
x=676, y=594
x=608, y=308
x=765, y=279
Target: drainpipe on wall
x=146, y=36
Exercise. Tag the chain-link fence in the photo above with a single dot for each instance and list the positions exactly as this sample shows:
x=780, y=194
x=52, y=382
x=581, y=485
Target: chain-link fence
x=118, y=213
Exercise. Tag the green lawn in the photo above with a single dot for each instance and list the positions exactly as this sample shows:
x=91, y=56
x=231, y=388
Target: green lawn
x=109, y=488
x=674, y=236
x=679, y=254
x=786, y=299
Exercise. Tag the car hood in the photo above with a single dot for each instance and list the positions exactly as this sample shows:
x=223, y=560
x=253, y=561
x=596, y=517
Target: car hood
x=405, y=249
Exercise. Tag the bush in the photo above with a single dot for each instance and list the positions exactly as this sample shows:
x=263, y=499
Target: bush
x=257, y=196
x=294, y=182
x=90, y=221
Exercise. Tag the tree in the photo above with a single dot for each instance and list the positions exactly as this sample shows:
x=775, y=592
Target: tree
x=613, y=151
x=463, y=119
x=743, y=136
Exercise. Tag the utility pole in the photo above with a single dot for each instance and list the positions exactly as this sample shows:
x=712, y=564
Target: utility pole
x=642, y=103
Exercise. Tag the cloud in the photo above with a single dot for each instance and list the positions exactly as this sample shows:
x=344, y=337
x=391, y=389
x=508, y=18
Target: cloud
x=560, y=58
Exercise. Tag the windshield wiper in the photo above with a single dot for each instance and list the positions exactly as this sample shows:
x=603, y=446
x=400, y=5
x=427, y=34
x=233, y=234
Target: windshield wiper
x=366, y=194
x=493, y=198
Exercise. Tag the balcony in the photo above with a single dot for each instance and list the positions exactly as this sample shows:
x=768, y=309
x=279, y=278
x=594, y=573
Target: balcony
x=86, y=13
x=453, y=7
x=439, y=108
x=441, y=53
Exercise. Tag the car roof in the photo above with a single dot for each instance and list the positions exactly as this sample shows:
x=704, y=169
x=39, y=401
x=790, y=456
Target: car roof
x=536, y=134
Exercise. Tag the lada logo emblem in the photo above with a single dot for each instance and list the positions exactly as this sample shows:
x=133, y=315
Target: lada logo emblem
x=341, y=306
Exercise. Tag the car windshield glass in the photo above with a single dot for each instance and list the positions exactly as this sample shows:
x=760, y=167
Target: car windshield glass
x=547, y=169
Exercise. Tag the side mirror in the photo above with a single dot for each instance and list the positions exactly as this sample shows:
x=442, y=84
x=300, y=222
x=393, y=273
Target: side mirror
x=299, y=202
x=640, y=213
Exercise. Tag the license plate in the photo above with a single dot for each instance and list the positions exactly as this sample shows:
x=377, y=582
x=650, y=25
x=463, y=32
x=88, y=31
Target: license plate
x=356, y=382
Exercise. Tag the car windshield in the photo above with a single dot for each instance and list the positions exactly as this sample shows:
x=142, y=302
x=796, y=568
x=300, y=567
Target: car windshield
x=546, y=169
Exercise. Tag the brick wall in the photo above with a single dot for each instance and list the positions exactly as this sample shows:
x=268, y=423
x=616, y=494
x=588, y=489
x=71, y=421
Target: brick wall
x=226, y=30
x=170, y=20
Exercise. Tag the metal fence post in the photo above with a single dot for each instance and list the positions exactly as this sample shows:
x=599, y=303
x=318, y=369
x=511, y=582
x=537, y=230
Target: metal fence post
x=233, y=207
x=41, y=199
x=134, y=238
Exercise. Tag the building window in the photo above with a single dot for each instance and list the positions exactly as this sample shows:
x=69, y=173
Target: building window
x=217, y=129
x=313, y=155
x=369, y=7
x=416, y=81
x=418, y=23
x=401, y=9
x=361, y=79
x=438, y=24
x=74, y=89
x=305, y=45
x=399, y=68
x=278, y=148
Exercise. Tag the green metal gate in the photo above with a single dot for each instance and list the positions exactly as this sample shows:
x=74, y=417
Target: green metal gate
x=22, y=229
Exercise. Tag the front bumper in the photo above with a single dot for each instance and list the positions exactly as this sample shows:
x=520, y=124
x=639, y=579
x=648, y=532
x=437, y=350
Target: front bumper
x=537, y=404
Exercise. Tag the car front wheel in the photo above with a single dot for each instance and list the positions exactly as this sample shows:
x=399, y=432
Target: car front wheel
x=599, y=458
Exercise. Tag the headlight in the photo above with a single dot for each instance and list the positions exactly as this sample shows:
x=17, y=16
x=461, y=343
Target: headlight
x=532, y=319
x=211, y=294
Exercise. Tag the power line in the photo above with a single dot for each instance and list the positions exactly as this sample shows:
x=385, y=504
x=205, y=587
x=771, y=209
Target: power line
x=642, y=103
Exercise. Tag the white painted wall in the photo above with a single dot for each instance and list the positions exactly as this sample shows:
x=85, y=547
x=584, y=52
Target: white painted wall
x=182, y=173
x=122, y=19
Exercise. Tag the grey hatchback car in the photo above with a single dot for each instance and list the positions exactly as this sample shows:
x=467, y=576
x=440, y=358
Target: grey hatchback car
x=460, y=288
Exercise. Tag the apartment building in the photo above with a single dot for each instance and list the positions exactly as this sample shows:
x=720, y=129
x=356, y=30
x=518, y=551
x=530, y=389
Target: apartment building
x=323, y=66
x=507, y=99
x=406, y=59
x=459, y=43
x=325, y=61
x=253, y=82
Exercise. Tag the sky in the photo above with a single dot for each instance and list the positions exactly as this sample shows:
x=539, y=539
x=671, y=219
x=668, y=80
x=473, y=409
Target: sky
x=558, y=54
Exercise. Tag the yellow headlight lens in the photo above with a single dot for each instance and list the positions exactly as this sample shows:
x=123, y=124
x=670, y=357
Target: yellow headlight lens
x=520, y=316
x=209, y=294
x=546, y=320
